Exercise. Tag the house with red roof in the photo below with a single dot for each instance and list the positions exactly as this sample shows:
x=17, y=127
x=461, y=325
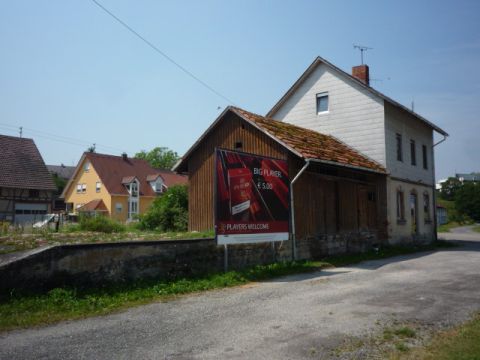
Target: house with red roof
x=26, y=186
x=118, y=186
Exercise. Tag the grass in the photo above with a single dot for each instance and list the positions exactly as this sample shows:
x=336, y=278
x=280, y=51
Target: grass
x=460, y=343
x=18, y=310
x=476, y=228
x=65, y=303
x=18, y=239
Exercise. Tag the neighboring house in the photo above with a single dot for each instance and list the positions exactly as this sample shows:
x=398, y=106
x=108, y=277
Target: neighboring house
x=442, y=215
x=61, y=174
x=339, y=199
x=472, y=177
x=26, y=186
x=118, y=186
x=328, y=100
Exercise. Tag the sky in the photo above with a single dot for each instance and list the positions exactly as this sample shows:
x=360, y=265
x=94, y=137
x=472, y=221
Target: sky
x=71, y=75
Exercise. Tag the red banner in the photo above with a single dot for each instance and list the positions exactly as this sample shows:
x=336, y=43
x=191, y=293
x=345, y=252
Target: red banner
x=251, y=198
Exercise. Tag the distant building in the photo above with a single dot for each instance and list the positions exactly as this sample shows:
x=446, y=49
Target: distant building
x=472, y=177
x=118, y=186
x=61, y=175
x=26, y=186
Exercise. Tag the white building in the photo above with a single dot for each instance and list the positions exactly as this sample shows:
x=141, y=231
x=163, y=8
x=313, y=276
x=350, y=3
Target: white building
x=331, y=101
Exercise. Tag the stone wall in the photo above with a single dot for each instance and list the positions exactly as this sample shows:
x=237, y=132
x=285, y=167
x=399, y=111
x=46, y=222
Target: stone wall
x=99, y=264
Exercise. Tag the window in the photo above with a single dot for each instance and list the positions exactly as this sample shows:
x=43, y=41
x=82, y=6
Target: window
x=118, y=208
x=79, y=188
x=98, y=186
x=413, y=153
x=424, y=155
x=400, y=207
x=84, y=188
x=322, y=102
x=399, y=147
x=238, y=145
x=86, y=167
x=426, y=207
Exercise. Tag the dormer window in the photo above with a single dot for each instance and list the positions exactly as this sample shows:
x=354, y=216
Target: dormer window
x=134, y=188
x=322, y=102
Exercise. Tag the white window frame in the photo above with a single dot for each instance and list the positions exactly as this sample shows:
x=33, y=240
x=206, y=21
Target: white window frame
x=84, y=188
x=86, y=166
x=79, y=188
x=98, y=186
x=320, y=95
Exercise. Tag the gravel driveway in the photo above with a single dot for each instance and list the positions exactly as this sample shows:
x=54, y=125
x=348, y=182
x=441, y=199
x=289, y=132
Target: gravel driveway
x=295, y=317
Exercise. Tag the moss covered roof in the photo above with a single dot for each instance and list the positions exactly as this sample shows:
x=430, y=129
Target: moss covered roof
x=310, y=144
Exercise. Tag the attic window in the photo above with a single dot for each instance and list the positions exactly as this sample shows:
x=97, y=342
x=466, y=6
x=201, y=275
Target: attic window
x=238, y=145
x=86, y=167
x=322, y=102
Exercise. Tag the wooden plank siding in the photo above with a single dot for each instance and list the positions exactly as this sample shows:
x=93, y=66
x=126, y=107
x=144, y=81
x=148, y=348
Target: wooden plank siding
x=202, y=161
x=328, y=199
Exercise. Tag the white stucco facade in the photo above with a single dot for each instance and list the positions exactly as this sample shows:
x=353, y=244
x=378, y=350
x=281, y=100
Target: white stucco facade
x=371, y=125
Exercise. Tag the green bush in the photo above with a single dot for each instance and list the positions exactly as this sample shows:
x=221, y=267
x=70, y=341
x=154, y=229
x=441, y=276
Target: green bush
x=168, y=212
x=100, y=224
x=467, y=200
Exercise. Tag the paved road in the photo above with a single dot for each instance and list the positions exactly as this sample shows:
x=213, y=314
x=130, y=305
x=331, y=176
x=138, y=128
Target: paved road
x=463, y=230
x=292, y=318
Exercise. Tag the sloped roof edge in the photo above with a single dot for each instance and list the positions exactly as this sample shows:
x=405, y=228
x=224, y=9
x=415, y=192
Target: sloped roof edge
x=239, y=113
x=319, y=60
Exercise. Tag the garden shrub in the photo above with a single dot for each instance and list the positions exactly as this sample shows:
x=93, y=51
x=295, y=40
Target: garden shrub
x=169, y=212
x=100, y=224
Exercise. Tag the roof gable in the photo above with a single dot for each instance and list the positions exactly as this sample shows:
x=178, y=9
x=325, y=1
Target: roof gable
x=22, y=166
x=115, y=171
x=349, y=78
x=304, y=143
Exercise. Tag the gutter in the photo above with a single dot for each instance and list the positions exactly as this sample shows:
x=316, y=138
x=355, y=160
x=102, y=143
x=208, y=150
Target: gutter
x=292, y=206
x=434, y=202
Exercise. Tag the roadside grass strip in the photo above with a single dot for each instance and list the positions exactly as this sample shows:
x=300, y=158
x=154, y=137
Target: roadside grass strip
x=460, y=343
x=25, y=310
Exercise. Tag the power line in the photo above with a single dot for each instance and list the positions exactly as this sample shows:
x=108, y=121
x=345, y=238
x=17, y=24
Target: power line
x=186, y=71
x=55, y=137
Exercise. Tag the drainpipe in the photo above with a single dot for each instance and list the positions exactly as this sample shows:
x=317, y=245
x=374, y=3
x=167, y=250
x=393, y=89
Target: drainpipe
x=292, y=207
x=435, y=189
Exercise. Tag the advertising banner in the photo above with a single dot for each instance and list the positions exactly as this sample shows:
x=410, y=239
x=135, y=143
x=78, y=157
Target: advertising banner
x=251, y=198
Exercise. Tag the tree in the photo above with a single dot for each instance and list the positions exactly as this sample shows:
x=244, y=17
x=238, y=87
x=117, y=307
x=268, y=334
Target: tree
x=169, y=212
x=159, y=157
x=450, y=188
x=467, y=200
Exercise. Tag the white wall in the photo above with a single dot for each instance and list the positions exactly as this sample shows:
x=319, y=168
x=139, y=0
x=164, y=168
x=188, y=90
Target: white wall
x=355, y=116
x=399, y=121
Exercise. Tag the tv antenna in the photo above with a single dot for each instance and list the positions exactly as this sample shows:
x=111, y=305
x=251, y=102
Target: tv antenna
x=362, y=49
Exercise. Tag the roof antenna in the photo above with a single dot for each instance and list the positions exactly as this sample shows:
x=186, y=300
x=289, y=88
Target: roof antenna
x=362, y=49
x=413, y=104
x=21, y=131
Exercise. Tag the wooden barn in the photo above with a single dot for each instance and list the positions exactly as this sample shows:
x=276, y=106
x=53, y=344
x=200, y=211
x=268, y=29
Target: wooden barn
x=339, y=195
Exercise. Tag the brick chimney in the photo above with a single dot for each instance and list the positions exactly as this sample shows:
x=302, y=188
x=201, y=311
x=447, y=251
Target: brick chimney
x=362, y=73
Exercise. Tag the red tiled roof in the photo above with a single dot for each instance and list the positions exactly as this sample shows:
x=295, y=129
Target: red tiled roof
x=94, y=205
x=113, y=170
x=22, y=166
x=310, y=144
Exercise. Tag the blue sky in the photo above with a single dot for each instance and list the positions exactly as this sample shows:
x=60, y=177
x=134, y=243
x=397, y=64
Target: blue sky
x=66, y=68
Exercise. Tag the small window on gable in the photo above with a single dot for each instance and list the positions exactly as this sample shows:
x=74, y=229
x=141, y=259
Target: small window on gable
x=98, y=186
x=86, y=167
x=322, y=102
x=79, y=188
x=84, y=188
